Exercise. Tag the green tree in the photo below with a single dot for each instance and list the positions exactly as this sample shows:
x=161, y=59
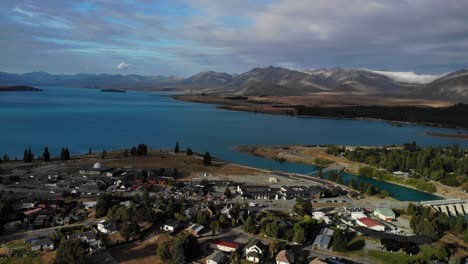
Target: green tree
x=164, y=253
x=126, y=153
x=207, y=159
x=103, y=154
x=249, y=225
x=201, y=218
x=320, y=173
x=178, y=256
x=46, y=154
x=70, y=252
x=299, y=233
x=215, y=227
x=235, y=258
x=339, y=242
x=189, y=152
x=176, y=149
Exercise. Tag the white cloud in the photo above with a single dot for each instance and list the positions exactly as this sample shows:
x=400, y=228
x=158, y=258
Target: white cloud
x=410, y=77
x=122, y=66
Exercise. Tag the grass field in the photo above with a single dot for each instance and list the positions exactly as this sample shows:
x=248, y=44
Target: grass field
x=388, y=257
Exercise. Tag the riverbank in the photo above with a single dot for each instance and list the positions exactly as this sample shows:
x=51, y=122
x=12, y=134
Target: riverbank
x=317, y=155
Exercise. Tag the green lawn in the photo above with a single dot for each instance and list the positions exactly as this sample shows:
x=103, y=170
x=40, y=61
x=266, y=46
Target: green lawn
x=15, y=244
x=22, y=260
x=388, y=257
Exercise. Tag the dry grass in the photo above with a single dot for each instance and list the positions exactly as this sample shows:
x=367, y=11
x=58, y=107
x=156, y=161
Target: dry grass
x=140, y=252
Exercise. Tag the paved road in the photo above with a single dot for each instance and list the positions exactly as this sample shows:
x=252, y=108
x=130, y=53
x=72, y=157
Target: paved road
x=45, y=232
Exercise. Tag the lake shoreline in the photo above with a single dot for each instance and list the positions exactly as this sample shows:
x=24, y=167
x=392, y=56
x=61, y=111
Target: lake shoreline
x=288, y=110
x=292, y=153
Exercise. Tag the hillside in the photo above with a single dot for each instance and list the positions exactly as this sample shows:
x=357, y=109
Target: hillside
x=19, y=88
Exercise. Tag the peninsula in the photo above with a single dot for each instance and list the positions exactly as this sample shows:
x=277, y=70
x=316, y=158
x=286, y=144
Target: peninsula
x=19, y=88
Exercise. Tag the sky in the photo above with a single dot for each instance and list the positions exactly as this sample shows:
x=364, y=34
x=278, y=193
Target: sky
x=184, y=37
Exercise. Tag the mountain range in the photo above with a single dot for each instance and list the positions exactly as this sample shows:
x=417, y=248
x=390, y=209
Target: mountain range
x=268, y=81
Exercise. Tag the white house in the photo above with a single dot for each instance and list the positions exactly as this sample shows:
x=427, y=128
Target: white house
x=107, y=227
x=357, y=215
x=42, y=244
x=254, y=251
x=170, y=226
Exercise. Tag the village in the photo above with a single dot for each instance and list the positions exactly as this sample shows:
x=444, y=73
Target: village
x=185, y=208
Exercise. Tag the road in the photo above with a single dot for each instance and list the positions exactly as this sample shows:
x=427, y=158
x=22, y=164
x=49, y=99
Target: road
x=45, y=232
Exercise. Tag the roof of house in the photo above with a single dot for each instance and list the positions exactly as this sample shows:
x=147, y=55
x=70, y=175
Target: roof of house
x=256, y=243
x=285, y=256
x=327, y=231
x=226, y=243
x=387, y=212
x=369, y=222
x=196, y=227
x=89, y=235
x=172, y=222
x=322, y=240
x=41, y=242
x=216, y=256
x=317, y=261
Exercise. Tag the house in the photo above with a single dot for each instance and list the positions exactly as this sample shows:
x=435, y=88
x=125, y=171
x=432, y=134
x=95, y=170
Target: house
x=41, y=244
x=107, y=227
x=225, y=245
x=195, y=229
x=285, y=257
x=254, y=251
x=370, y=223
x=323, y=239
x=317, y=261
x=171, y=226
x=97, y=170
x=217, y=257
x=88, y=237
x=41, y=221
x=294, y=192
x=321, y=217
x=385, y=214
x=55, y=204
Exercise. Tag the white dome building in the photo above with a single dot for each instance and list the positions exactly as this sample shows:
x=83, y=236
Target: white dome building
x=97, y=165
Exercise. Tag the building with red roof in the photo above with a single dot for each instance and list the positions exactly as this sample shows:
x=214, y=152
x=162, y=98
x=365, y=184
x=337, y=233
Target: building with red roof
x=224, y=245
x=370, y=223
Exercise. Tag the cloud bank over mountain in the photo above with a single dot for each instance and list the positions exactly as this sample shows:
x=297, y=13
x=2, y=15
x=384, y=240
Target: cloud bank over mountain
x=411, y=77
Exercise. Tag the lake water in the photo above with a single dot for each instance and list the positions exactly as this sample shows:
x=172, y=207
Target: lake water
x=83, y=118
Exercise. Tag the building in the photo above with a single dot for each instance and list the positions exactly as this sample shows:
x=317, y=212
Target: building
x=321, y=217
x=171, y=226
x=370, y=223
x=258, y=192
x=225, y=246
x=285, y=257
x=54, y=204
x=385, y=214
x=317, y=261
x=41, y=244
x=195, y=230
x=357, y=215
x=217, y=257
x=254, y=251
x=96, y=170
x=323, y=239
x=107, y=227
x=294, y=192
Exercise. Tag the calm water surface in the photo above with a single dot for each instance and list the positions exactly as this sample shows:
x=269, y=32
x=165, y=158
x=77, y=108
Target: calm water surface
x=83, y=118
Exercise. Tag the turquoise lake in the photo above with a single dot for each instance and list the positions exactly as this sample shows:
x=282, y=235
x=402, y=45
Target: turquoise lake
x=84, y=118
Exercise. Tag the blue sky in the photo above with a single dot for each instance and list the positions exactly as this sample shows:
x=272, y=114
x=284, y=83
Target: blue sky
x=182, y=38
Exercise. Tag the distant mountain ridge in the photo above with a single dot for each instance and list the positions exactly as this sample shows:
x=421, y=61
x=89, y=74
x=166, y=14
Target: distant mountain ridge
x=267, y=81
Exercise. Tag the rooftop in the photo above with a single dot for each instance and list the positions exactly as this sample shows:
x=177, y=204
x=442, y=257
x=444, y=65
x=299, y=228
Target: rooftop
x=369, y=221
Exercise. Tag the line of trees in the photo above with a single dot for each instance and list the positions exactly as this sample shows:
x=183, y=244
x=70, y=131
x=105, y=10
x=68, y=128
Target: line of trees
x=449, y=165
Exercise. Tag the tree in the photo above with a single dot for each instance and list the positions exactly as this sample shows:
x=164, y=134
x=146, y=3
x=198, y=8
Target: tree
x=235, y=258
x=133, y=151
x=164, y=253
x=25, y=156
x=201, y=218
x=207, y=159
x=215, y=227
x=46, y=154
x=273, y=248
x=70, y=252
x=228, y=192
x=89, y=151
x=103, y=154
x=299, y=233
x=339, y=242
x=178, y=255
x=320, y=173
x=125, y=153
x=176, y=149
x=249, y=225
x=189, y=152
x=65, y=154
